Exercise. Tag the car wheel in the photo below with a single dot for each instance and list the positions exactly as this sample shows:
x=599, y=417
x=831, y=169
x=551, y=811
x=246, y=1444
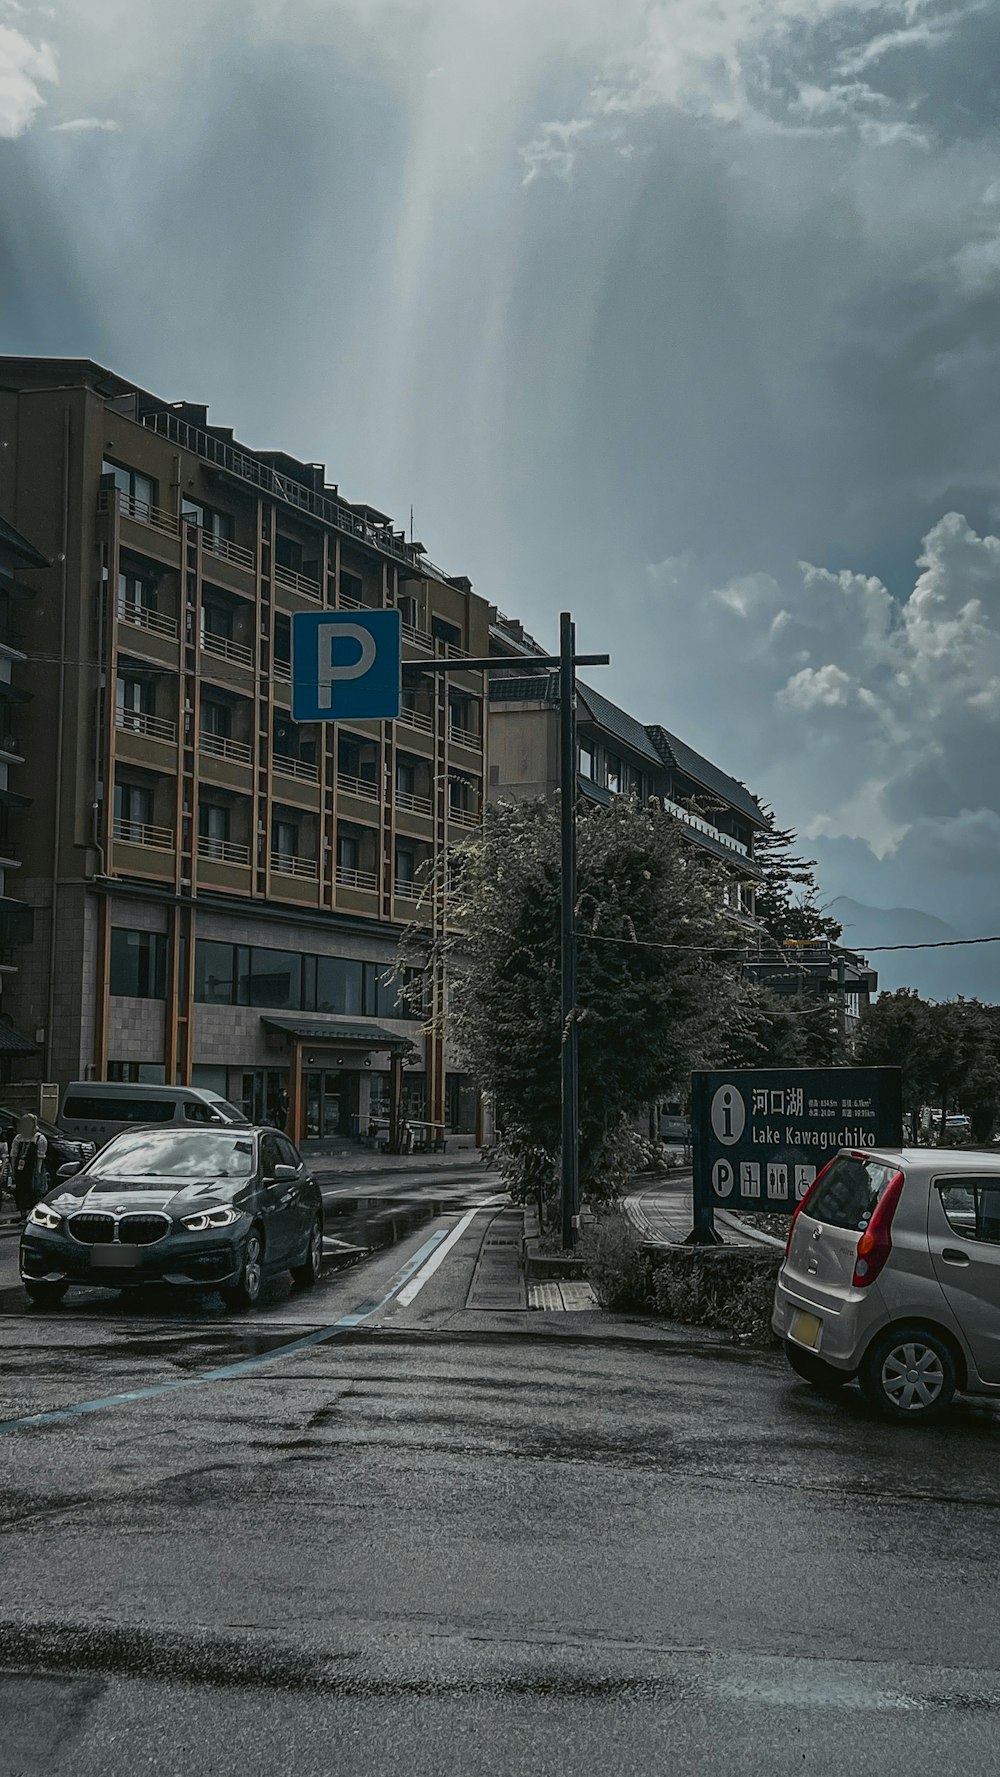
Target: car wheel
x=909, y=1373
x=812, y=1369
x=308, y=1273
x=246, y=1292
x=46, y=1295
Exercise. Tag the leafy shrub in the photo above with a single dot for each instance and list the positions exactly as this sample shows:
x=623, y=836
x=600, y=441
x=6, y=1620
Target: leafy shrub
x=723, y=1288
x=617, y=1266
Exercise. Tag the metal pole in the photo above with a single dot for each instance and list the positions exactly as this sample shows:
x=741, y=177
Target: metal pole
x=569, y=1054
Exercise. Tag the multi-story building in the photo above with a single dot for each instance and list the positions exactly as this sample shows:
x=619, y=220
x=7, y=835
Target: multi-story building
x=17, y=557
x=617, y=755
x=814, y=969
x=220, y=891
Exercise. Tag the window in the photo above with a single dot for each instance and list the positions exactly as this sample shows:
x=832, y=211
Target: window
x=406, y=777
x=216, y=718
x=286, y=838
x=146, y=1073
x=133, y=804
x=270, y=1155
x=138, y=964
x=276, y=979
x=288, y=553
x=357, y=758
x=406, y=863
x=446, y=632
x=614, y=774
x=283, y=638
x=214, y=973
x=137, y=489
x=849, y=1192
x=133, y=697
x=216, y=619
x=408, y=610
x=587, y=759
x=286, y=1153
x=972, y=1207
x=351, y=588
x=213, y=821
x=348, y=850
x=339, y=985
x=135, y=593
x=217, y=525
x=199, y=1113
x=107, y=1109
x=388, y=987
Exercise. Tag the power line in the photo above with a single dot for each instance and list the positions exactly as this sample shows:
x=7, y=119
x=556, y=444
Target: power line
x=789, y=961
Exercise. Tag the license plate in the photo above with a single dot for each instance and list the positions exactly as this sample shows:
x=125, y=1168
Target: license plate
x=115, y=1258
x=805, y=1329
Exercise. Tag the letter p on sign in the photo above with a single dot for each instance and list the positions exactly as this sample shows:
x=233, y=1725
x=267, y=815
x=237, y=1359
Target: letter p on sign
x=345, y=664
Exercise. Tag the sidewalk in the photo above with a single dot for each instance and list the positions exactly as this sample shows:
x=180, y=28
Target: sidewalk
x=663, y=1213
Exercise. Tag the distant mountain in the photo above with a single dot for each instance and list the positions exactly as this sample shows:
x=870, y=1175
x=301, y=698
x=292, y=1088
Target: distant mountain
x=972, y=970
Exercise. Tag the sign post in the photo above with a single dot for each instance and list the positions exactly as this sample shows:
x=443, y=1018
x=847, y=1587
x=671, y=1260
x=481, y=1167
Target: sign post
x=759, y=1136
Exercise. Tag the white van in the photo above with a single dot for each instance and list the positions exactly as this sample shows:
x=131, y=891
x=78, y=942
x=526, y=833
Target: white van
x=95, y=1110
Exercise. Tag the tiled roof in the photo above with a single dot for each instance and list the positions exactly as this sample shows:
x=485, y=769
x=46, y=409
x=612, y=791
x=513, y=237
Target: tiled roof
x=618, y=722
x=12, y=1042
x=326, y=1028
x=12, y=541
x=675, y=752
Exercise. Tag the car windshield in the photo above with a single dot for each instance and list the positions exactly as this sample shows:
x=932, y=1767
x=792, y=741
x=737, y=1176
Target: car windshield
x=156, y=1154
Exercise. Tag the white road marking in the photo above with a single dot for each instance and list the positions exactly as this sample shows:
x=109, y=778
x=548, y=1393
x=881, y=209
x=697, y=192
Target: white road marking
x=416, y=1284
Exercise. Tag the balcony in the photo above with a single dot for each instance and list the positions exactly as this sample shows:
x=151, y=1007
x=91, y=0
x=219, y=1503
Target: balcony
x=411, y=804
x=706, y=827
x=407, y=891
x=357, y=786
x=296, y=582
x=224, y=648
x=140, y=617
x=238, y=752
x=286, y=865
x=141, y=511
x=356, y=879
x=141, y=833
x=282, y=671
x=222, y=851
x=418, y=719
x=304, y=769
x=226, y=550
x=139, y=722
x=463, y=817
x=464, y=737
x=419, y=637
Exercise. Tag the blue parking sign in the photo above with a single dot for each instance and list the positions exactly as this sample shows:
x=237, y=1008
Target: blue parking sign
x=346, y=664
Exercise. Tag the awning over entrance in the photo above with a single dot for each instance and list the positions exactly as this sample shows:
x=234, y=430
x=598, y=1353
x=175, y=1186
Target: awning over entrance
x=324, y=1027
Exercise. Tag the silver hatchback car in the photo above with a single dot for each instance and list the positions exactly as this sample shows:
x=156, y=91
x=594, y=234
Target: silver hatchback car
x=892, y=1276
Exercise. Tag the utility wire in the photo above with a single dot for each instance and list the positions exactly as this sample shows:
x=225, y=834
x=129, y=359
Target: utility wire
x=791, y=962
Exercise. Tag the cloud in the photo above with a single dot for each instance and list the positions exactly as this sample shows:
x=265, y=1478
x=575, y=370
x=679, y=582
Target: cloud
x=23, y=65
x=554, y=149
x=79, y=126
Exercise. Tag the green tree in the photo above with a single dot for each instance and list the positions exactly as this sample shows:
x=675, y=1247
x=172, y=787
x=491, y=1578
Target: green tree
x=786, y=898
x=782, y=1030
x=896, y=1031
x=647, y=1013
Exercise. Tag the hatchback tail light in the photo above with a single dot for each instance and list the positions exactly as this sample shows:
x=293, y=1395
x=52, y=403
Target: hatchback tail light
x=875, y=1244
x=800, y=1206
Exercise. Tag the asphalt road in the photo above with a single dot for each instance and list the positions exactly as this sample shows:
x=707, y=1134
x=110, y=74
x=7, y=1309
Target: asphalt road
x=438, y=1543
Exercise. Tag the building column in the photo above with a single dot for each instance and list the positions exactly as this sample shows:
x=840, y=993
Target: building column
x=395, y=1102
x=295, y=1105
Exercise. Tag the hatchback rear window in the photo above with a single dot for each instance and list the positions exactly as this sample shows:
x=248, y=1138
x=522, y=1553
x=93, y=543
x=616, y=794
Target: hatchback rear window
x=848, y=1193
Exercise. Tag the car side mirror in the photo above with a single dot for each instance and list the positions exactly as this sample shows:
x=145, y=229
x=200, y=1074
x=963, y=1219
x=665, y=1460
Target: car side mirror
x=71, y=1168
x=282, y=1174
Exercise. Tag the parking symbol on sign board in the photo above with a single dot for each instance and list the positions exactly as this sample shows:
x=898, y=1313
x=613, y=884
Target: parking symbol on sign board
x=346, y=664
x=723, y=1178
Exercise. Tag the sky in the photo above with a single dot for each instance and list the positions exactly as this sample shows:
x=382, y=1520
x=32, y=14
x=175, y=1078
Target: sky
x=683, y=317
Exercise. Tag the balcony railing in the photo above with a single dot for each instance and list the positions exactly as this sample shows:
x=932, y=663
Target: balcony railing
x=238, y=752
x=356, y=879
x=411, y=804
x=465, y=737
x=141, y=510
x=288, y=865
x=282, y=670
x=141, y=833
x=238, y=653
x=222, y=851
x=451, y=650
x=418, y=719
x=296, y=582
x=141, y=617
x=141, y=722
x=303, y=769
x=419, y=637
x=464, y=817
x=346, y=603
x=706, y=827
x=227, y=550
x=357, y=786
x=285, y=487
x=405, y=890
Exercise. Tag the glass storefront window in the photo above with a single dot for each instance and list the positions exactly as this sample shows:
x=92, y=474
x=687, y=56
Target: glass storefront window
x=213, y=973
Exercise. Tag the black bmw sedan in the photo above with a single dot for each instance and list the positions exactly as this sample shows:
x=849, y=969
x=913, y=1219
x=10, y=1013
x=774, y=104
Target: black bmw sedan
x=215, y=1209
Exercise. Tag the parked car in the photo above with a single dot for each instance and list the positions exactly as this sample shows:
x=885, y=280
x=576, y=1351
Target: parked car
x=62, y=1149
x=213, y=1209
x=98, y=1109
x=892, y=1276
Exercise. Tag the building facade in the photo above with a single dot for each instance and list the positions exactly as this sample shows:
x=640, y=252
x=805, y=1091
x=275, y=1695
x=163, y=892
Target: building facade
x=616, y=755
x=18, y=558
x=219, y=891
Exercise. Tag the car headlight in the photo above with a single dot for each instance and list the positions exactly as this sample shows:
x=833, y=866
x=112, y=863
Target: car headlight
x=44, y=1217
x=223, y=1217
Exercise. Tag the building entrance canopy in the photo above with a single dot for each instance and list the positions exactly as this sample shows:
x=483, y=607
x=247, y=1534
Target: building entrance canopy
x=341, y=1040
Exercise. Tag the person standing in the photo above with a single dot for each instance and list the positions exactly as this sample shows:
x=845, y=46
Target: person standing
x=27, y=1163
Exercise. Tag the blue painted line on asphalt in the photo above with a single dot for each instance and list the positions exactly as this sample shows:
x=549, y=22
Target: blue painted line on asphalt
x=346, y=1321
